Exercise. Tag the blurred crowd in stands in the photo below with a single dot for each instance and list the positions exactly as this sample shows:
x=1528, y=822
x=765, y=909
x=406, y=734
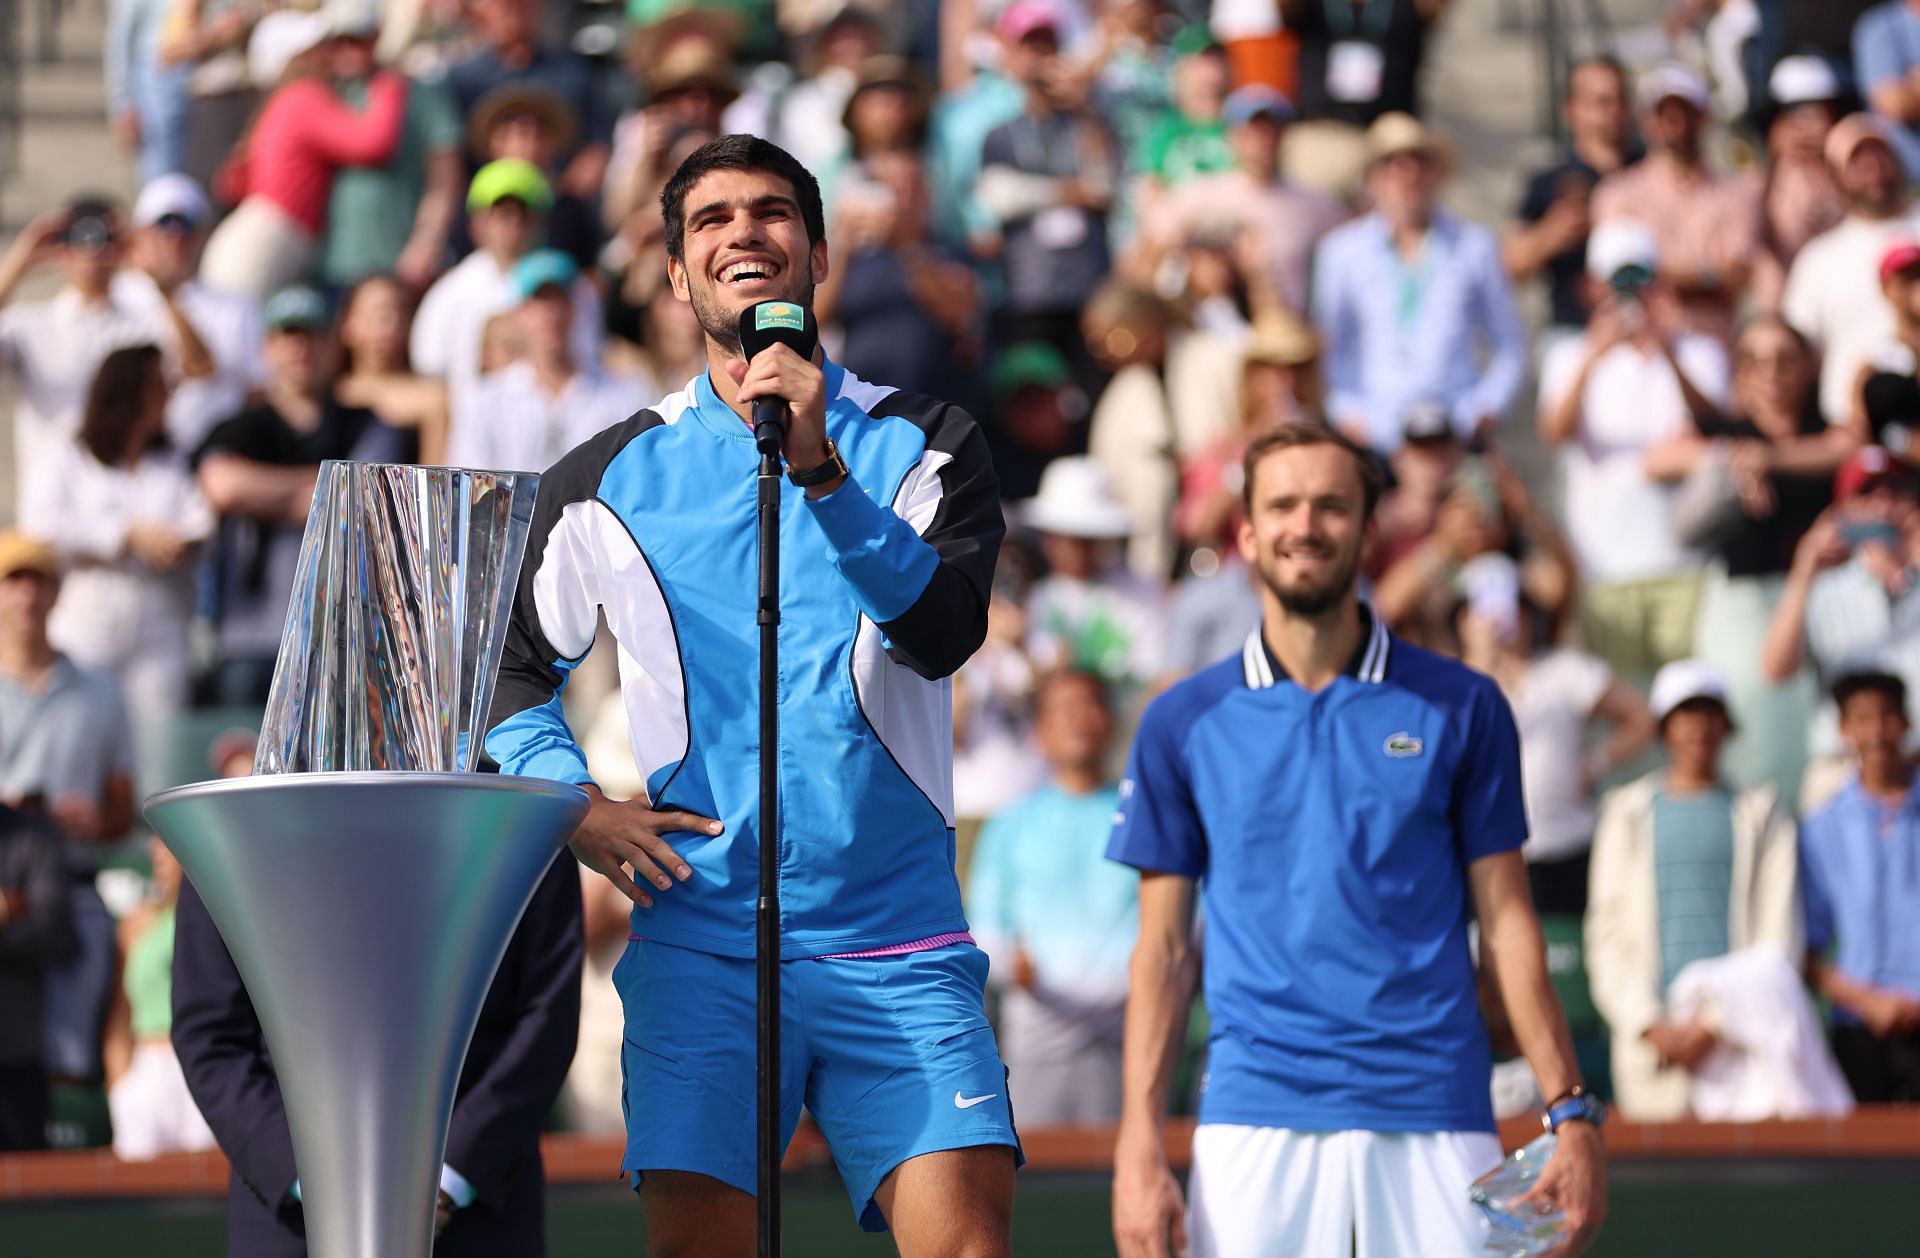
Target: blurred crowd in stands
x=1650, y=445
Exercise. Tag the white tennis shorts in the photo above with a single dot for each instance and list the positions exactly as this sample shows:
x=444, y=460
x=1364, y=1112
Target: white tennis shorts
x=1268, y=1192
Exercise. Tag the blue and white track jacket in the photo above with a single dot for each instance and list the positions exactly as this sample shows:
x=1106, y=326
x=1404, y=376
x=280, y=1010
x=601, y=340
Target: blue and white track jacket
x=884, y=587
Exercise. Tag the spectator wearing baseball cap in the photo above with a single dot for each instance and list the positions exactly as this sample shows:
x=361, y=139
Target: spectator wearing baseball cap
x=525, y=415
x=1412, y=301
x=1630, y=382
x=1886, y=52
x=1038, y=411
x=507, y=203
x=393, y=218
x=1280, y=221
x=1556, y=210
x=1686, y=866
x=257, y=470
x=1881, y=409
x=1799, y=197
x=1189, y=137
x=216, y=332
x=1833, y=291
x=1707, y=225
x=533, y=123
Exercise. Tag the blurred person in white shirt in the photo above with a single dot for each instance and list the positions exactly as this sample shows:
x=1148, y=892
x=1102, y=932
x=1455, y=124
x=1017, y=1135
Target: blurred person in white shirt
x=121, y=508
x=52, y=348
x=1559, y=695
x=526, y=415
x=1631, y=381
x=1833, y=288
x=170, y=221
x=507, y=203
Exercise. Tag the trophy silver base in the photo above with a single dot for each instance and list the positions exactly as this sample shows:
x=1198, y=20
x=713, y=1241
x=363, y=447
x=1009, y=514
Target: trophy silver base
x=367, y=913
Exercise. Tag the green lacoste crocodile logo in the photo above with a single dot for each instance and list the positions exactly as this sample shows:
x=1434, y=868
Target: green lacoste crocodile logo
x=1403, y=745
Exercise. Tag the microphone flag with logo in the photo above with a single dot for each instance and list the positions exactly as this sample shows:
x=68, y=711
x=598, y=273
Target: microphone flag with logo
x=769, y=323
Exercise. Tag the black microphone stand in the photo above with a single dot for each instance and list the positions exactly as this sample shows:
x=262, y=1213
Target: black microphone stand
x=767, y=437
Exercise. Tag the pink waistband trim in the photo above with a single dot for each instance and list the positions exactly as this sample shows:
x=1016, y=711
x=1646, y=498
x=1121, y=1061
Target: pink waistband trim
x=901, y=949
x=891, y=950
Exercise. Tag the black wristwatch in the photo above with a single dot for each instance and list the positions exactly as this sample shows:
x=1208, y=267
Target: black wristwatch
x=834, y=468
x=1576, y=1104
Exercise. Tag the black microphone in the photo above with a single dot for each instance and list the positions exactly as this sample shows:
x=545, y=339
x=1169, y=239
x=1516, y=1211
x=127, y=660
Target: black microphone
x=775, y=323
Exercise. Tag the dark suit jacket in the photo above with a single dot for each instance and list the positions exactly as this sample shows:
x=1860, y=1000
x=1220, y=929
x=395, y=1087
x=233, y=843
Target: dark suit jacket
x=514, y=1069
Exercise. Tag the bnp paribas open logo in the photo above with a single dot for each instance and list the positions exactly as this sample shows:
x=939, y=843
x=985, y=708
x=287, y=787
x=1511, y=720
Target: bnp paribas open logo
x=779, y=314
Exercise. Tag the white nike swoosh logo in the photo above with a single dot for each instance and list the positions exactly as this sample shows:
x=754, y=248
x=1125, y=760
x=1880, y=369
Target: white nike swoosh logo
x=968, y=1102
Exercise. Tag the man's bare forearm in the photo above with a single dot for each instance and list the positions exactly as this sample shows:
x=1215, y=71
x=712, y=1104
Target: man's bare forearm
x=1159, y=998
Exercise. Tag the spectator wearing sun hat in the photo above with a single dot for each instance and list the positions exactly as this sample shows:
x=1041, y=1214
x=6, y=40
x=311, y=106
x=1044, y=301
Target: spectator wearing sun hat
x=1705, y=224
x=511, y=50
x=1278, y=221
x=1090, y=611
x=1413, y=301
x=507, y=204
x=527, y=414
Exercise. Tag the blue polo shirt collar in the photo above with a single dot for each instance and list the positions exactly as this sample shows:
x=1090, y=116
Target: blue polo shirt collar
x=1369, y=662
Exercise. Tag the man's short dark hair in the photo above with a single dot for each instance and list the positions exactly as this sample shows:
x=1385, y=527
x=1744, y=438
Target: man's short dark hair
x=1069, y=673
x=1871, y=681
x=1298, y=436
x=1599, y=61
x=739, y=152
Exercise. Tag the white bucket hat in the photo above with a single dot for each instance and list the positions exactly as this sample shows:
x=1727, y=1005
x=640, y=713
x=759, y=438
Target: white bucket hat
x=1076, y=499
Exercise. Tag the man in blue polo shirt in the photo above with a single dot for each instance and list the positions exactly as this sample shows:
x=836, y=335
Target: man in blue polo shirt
x=1349, y=803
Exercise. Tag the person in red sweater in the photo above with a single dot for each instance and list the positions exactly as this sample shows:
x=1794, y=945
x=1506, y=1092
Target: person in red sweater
x=302, y=135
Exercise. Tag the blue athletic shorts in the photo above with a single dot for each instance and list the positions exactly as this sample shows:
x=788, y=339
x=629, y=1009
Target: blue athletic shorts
x=893, y=1057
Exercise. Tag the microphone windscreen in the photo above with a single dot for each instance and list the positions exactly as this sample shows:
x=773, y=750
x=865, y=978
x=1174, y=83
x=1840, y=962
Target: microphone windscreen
x=778, y=323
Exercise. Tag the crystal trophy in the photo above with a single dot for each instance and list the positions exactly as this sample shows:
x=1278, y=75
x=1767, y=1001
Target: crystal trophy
x=1515, y=1228
x=367, y=880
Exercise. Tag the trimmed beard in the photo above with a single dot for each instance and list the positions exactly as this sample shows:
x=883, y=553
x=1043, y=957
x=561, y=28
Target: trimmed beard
x=721, y=325
x=1311, y=601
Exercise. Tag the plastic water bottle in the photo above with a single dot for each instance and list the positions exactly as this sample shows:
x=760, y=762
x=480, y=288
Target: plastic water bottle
x=1518, y=1229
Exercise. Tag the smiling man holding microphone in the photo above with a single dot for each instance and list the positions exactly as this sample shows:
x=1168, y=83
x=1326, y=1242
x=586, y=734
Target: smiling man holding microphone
x=887, y=549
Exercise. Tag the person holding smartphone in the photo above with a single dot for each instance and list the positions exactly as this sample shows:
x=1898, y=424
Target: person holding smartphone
x=1851, y=601
x=1631, y=381
x=52, y=348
